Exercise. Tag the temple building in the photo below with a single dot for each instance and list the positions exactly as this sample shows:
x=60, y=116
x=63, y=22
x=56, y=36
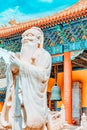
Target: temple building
x=2, y=81
x=66, y=40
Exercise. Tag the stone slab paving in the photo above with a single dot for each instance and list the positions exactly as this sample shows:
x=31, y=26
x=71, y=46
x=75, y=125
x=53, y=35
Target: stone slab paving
x=70, y=128
x=66, y=127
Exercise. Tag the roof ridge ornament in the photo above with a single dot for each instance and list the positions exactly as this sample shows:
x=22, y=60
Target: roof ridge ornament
x=12, y=22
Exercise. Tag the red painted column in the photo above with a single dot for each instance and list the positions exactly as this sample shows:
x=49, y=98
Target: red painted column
x=1, y=106
x=68, y=87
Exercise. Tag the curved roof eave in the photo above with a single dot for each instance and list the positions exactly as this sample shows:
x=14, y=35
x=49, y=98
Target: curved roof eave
x=76, y=11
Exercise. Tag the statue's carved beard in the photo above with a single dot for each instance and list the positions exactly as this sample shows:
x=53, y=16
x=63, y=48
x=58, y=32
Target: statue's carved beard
x=28, y=49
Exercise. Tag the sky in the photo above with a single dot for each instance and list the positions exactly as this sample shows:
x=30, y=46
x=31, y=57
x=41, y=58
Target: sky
x=24, y=10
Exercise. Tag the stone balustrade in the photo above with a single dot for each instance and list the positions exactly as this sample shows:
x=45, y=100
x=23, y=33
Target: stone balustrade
x=56, y=120
x=83, y=123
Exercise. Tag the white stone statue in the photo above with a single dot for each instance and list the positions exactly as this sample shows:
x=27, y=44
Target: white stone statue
x=25, y=107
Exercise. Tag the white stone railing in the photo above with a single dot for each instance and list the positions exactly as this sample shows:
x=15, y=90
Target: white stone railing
x=83, y=123
x=56, y=119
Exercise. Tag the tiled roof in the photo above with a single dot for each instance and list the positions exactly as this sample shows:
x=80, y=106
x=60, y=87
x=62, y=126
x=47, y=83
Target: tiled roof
x=76, y=11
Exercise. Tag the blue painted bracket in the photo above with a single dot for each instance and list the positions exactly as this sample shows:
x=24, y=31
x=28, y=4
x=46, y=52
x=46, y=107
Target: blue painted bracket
x=57, y=59
x=58, y=49
x=81, y=45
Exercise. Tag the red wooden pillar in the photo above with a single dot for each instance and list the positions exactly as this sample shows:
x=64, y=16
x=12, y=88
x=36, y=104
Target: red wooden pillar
x=1, y=106
x=68, y=87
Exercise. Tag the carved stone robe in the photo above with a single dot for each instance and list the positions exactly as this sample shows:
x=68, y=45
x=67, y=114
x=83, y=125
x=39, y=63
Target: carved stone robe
x=26, y=101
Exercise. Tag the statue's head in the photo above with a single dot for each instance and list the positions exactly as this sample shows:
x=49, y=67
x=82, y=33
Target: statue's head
x=33, y=37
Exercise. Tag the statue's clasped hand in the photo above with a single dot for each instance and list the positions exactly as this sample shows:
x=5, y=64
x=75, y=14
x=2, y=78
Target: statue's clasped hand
x=14, y=60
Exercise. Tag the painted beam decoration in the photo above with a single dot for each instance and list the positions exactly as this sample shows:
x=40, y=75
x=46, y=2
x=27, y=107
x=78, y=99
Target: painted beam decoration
x=57, y=59
x=12, y=43
x=65, y=37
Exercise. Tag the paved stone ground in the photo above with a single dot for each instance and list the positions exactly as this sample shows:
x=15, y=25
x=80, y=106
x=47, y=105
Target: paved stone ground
x=66, y=127
x=70, y=128
x=73, y=127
